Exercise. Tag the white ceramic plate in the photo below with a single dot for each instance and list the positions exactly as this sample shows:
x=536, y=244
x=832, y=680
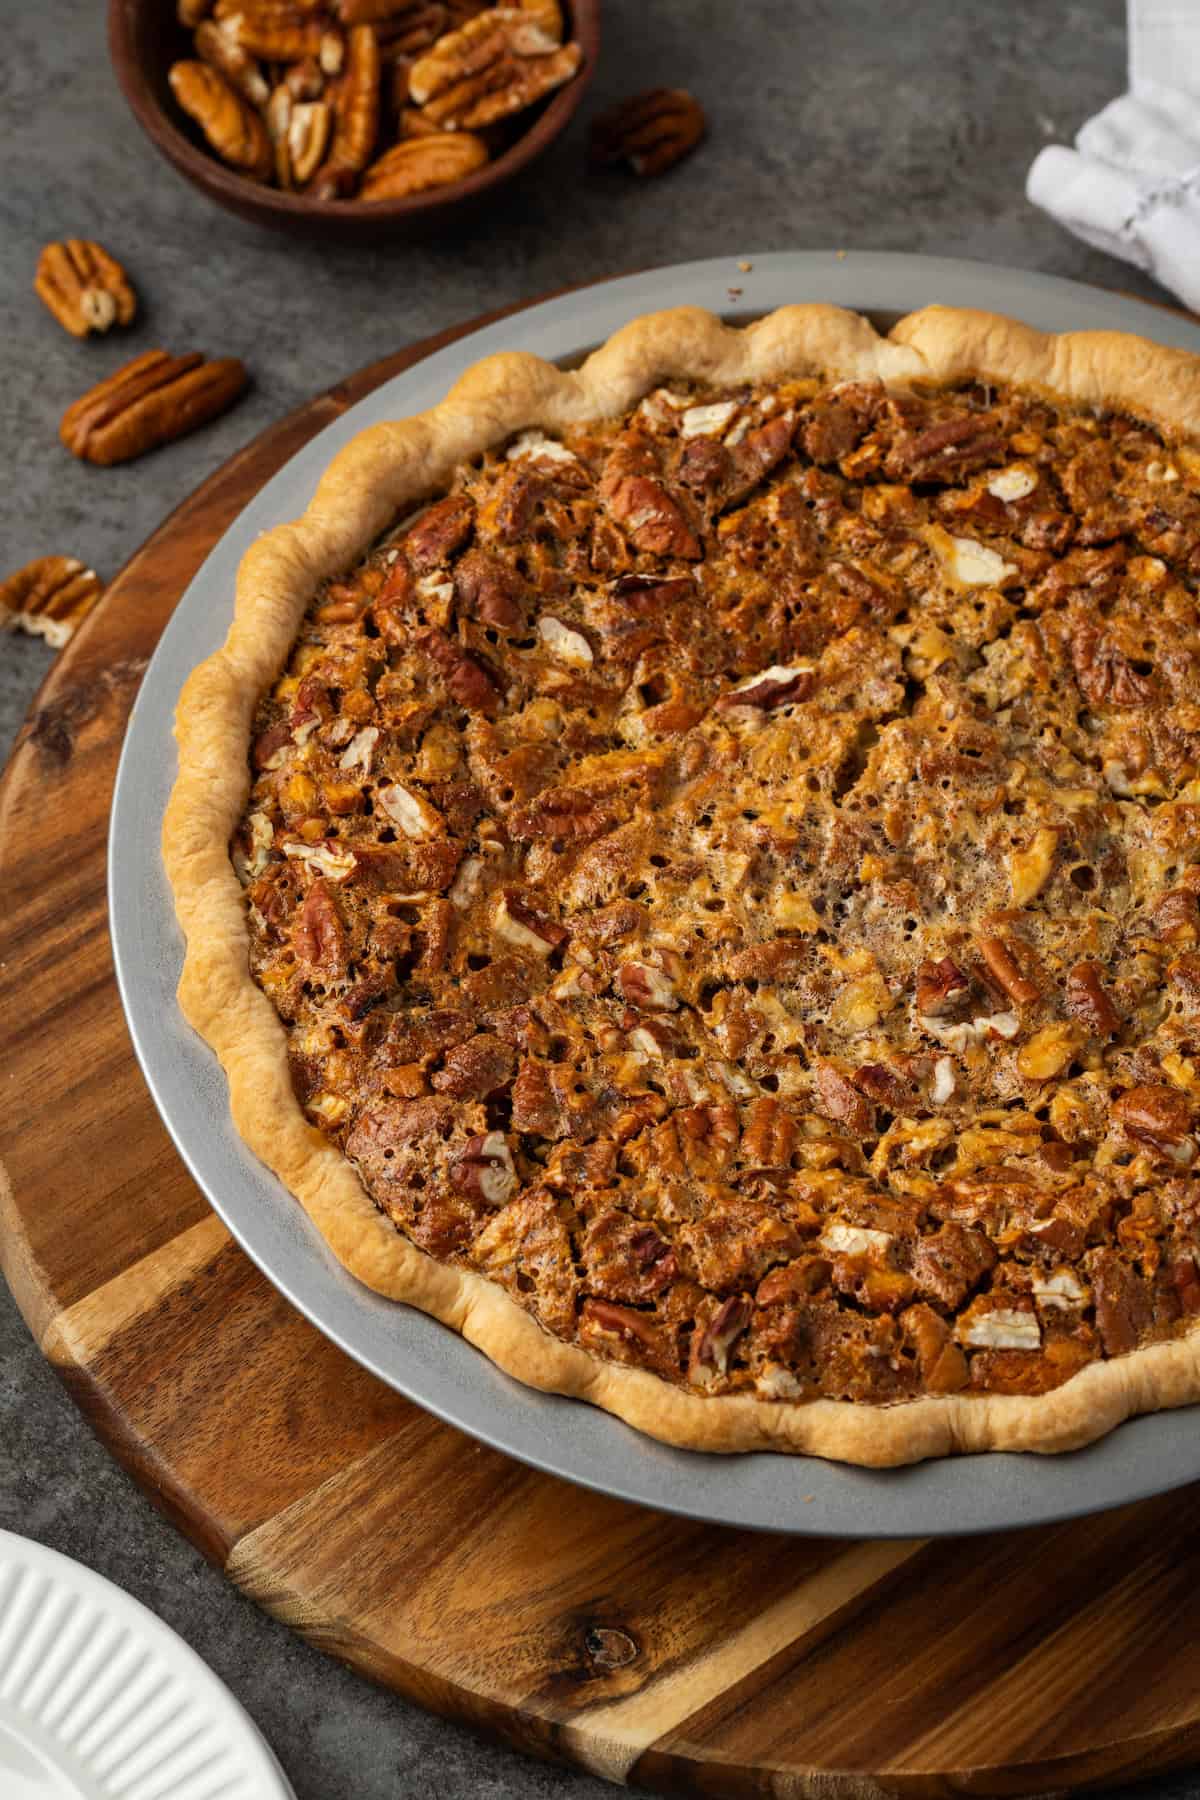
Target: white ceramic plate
x=411, y=1351
x=99, y=1700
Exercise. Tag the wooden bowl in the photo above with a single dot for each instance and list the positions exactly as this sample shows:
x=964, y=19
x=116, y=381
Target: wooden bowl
x=145, y=38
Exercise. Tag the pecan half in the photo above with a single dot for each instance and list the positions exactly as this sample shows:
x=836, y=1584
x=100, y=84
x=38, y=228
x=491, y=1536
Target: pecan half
x=1003, y=965
x=647, y=988
x=621, y=1321
x=395, y=14
x=151, y=401
x=49, y=598
x=525, y=927
x=482, y=57
x=280, y=32
x=418, y=164
x=356, y=109
x=1105, y=674
x=300, y=132
x=650, y=518
x=650, y=132
x=229, y=122
x=84, y=287
x=217, y=45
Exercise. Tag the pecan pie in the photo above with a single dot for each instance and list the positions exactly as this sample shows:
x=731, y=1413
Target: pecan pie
x=692, y=867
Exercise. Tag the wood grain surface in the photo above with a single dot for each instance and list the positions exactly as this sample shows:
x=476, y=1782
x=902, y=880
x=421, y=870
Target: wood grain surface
x=680, y=1656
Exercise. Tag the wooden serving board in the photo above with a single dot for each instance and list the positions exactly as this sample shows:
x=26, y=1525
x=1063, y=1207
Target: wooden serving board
x=670, y=1654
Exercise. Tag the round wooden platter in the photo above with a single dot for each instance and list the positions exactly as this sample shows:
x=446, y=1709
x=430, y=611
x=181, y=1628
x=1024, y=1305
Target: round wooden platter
x=648, y=1649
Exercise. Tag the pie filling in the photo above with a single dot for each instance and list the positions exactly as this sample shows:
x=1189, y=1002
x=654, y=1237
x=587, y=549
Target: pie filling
x=731, y=875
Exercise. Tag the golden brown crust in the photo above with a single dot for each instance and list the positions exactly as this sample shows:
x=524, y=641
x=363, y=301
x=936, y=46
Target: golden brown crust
x=375, y=477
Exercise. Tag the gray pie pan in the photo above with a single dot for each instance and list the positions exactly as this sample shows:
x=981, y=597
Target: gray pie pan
x=415, y=1354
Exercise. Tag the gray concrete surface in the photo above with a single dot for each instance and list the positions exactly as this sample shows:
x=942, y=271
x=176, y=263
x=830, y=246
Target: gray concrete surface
x=834, y=122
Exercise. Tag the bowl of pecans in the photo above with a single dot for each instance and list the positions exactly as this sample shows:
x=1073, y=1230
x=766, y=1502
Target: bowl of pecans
x=352, y=118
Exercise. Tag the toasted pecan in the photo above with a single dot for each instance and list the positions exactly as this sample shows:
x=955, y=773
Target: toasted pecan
x=151, y=401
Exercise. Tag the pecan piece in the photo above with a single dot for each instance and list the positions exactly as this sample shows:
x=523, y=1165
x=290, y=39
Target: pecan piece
x=942, y=1364
x=84, y=287
x=217, y=45
x=650, y=132
x=650, y=594
x=319, y=935
x=620, y=1322
x=151, y=401
x=711, y=1347
x=770, y=688
x=229, y=122
x=1185, y=1279
x=475, y=47
x=525, y=927
x=941, y=988
x=477, y=1069
x=1088, y=1000
x=948, y=1263
x=1175, y=917
x=884, y=1085
x=1159, y=1117
x=1003, y=965
x=488, y=589
x=472, y=682
x=439, y=532
x=356, y=114
x=946, y=449
x=624, y=1260
x=1105, y=674
x=648, y=515
x=1123, y=1306
x=49, y=598
x=420, y=163
x=840, y=1101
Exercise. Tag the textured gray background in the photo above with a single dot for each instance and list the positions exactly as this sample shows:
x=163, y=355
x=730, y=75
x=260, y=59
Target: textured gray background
x=834, y=122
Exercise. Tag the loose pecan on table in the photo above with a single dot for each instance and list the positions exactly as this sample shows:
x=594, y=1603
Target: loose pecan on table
x=49, y=598
x=649, y=132
x=84, y=287
x=151, y=401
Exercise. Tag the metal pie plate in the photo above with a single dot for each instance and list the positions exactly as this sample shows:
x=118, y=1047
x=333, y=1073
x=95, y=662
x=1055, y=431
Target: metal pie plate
x=413, y=1353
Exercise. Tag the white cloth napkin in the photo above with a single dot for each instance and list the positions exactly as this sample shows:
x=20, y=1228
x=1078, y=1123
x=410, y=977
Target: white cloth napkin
x=1131, y=186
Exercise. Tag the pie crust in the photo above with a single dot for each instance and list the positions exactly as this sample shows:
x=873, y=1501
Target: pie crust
x=375, y=479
